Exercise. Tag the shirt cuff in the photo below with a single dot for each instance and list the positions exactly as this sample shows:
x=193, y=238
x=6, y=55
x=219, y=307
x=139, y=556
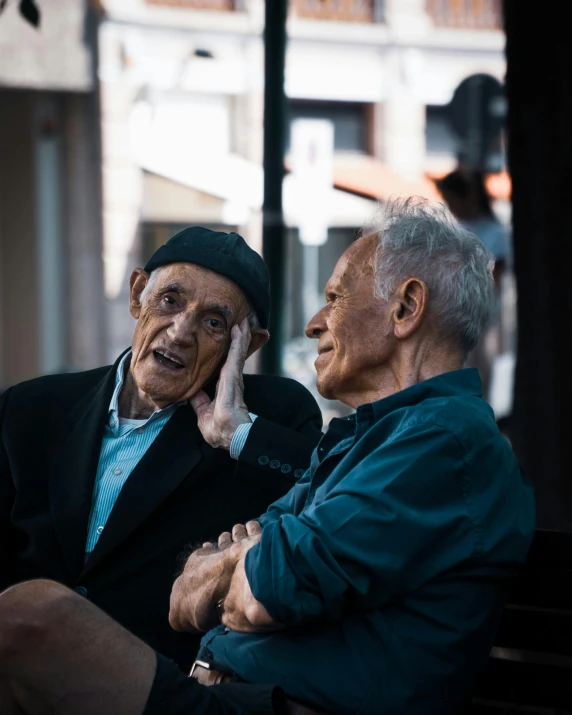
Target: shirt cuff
x=240, y=436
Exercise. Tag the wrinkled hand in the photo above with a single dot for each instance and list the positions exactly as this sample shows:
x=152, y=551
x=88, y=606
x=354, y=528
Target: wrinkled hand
x=250, y=532
x=206, y=579
x=219, y=418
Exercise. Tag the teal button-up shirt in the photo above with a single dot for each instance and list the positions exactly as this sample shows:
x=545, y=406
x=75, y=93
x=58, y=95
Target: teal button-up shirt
x=389, y=561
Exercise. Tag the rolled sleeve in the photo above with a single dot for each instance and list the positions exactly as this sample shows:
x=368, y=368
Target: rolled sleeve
x=400, y=515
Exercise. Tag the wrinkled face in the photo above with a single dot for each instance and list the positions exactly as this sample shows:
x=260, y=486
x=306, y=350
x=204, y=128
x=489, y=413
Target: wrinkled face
x=183, y=330
x=354, y=327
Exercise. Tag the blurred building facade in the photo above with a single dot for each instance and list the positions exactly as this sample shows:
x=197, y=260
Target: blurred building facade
x=52, y=312
x=180, y=112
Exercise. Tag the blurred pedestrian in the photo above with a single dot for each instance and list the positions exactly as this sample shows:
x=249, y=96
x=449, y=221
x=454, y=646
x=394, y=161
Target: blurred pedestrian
x=466, y=195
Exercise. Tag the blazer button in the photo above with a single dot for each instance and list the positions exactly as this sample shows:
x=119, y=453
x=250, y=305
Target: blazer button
x=299, y=473
x=263, y=460
x=285, y=469
x=81, y=591
x=274, y=464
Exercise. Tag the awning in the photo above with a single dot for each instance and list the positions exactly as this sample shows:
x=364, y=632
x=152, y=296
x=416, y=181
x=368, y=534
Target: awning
x=370, y=177
x=225, y=189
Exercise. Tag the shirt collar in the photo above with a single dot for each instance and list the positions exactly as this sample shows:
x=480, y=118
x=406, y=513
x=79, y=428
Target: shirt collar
x=114, y=404
x=457, y=383
x=343, y=431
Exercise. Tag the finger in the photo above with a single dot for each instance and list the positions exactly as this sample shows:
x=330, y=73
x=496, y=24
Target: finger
x=239, y=532
x=230, y=384
x=253, y=528
x=239, y=342
x=224, y=540
x=200, y=402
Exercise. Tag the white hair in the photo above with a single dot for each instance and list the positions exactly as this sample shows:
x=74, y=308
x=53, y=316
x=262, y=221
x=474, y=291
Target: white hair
x=253, y=321
x=422, y=239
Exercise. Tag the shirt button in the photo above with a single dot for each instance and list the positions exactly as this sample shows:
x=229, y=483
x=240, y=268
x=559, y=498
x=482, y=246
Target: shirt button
x=274, y=464
x=263, y=460
x=285, y=469
x=140, y=430
x=99, y=529
x=299, y=473
x=117, y=470
x=81, y=591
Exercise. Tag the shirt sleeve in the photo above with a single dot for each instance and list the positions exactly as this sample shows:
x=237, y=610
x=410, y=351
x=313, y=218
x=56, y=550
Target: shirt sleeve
x=240, y=436
x=399, y=516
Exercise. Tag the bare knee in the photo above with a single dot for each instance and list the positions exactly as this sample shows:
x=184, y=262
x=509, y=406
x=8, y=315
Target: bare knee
x=31, y=614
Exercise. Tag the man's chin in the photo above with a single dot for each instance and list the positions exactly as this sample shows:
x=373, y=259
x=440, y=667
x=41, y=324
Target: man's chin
x=324, y=387
x=164, y=395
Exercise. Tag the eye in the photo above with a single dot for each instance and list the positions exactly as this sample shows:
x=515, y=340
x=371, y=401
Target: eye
x=214, y=323
x=169, y=300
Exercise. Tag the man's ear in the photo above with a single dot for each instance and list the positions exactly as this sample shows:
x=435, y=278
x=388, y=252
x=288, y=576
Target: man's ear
x=411, y=306
x=258, y=339
x=137, y=282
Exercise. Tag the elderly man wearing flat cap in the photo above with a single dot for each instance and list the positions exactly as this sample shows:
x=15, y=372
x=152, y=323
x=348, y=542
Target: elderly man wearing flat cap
x=107, y=477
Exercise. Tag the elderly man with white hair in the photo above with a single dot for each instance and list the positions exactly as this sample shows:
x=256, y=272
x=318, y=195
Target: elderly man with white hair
x=376, y=584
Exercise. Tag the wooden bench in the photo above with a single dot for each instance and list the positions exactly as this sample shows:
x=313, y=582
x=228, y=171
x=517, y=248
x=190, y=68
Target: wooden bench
x=530, y=666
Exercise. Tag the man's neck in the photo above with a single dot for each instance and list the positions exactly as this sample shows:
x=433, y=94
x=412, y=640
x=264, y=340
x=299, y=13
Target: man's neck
x=134, y=404
x=402, y=374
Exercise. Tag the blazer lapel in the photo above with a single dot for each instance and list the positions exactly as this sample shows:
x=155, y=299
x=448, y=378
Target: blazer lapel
x=73, y=468
x=175, y=453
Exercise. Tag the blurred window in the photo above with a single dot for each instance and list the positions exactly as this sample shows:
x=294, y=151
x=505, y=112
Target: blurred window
x=351, y=121
x=347, y=10
x=200, y=4
x=466, y=14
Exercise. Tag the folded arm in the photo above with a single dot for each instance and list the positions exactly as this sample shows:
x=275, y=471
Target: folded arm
x=393, y=521
x=213, y=587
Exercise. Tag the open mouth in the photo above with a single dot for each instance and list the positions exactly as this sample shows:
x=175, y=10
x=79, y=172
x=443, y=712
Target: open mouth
x=170, y=363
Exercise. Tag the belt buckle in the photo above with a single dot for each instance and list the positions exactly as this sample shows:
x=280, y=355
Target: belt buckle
x=199, y=664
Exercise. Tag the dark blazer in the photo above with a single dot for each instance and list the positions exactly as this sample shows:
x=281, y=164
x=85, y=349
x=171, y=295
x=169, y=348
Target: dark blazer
x=182, y=492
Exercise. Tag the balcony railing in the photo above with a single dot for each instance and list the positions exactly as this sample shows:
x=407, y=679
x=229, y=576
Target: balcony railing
x=220, y=5
x=466, y=14
x=347, y=10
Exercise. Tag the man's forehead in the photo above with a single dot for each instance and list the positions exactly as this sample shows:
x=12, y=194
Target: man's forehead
x=357, y=261
x=189, y=276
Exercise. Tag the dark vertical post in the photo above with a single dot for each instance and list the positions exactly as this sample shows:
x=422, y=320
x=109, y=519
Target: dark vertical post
x=273, y=233
x=539, y=91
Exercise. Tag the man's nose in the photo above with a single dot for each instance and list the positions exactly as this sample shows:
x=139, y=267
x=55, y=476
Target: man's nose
x=317, y=324
x=183, y=329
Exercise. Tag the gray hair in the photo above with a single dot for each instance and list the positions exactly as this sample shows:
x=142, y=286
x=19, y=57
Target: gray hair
x=422, y=239
x=253, y=320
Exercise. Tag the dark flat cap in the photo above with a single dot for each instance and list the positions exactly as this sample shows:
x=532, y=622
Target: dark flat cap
x=225, y=253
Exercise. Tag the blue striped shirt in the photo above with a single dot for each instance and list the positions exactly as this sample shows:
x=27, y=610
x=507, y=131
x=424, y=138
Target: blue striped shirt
x=124, y=444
